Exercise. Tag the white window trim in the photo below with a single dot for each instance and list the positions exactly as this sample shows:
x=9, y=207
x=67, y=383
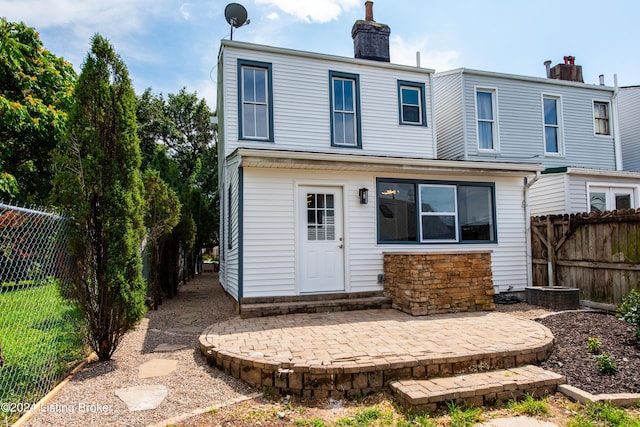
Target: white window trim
x=420, y=106
x=454, y=214
x=494, y=106
x=593, y=106
x=560, y=152
x=609, y=186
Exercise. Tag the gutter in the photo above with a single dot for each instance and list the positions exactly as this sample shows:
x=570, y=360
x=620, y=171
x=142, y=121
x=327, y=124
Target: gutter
x=617, y=146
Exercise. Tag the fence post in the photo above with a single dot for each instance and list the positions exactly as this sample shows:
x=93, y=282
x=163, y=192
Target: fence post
x=551, y=254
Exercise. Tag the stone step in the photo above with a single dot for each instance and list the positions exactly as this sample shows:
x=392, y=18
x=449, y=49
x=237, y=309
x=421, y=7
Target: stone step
x=478, y=388
x=248, y=310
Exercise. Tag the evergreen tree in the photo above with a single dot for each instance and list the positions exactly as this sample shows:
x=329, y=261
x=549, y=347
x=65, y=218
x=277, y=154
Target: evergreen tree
x=99, y=184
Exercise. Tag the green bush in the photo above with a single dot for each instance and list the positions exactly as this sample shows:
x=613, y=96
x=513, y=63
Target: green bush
x=606, y=364
x=593, y=345
x=629, y=310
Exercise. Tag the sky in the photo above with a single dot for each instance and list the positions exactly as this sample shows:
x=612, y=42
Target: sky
x=171, y=44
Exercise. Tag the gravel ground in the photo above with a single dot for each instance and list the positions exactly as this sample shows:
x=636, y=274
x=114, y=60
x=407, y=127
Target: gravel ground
x=89, y=398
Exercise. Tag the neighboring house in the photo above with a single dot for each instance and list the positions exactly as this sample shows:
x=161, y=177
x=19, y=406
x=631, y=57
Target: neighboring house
x=629, y=119
x=327, y=162
x=559, y=121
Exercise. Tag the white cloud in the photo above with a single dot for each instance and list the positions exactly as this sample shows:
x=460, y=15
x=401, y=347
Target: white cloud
x=184, y=10
x=404, y=52
x=317, y=11
x=273, y=16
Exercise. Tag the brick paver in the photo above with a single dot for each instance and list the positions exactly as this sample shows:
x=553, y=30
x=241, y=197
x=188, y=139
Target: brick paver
x=329, y=350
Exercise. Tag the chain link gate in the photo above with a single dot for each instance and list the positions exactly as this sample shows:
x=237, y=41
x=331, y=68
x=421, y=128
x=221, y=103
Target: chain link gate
x=40, y=333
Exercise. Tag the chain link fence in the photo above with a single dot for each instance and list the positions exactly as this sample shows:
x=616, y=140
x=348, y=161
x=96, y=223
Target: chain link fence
x=40, y=335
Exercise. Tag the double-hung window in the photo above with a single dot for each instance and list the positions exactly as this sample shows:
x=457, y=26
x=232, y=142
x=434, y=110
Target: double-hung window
x=411, y=99
x=486, y=116
x=601, y=118
x=411, y=211
x=345, y=109
x=552, y=124
x=255, y=100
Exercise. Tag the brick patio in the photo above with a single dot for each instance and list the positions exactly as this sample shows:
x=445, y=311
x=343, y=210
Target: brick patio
x=350, y=353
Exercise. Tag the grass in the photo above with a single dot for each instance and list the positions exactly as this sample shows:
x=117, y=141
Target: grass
x=463, y=416
x=603, y=415
x=530, y=406
x=40, y=341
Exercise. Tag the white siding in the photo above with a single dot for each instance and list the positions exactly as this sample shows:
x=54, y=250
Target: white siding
x=629, y=119
x=449, y=125
x=301, y=104
x=230, y=256
x=270, y=230
x=549, y=195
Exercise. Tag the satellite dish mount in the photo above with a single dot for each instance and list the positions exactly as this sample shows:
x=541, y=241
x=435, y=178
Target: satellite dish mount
x=236, y=16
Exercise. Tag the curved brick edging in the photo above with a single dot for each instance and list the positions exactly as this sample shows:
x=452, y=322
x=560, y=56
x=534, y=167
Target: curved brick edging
x=351, y=353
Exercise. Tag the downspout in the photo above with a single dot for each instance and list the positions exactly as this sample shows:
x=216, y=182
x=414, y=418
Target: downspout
x=527, y=220
x=617, y=145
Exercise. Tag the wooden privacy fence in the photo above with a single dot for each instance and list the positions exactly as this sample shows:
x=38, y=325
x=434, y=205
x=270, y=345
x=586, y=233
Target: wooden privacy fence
x=598, y=253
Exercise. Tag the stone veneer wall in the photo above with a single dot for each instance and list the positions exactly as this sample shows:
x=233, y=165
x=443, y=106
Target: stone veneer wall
x=422, y=283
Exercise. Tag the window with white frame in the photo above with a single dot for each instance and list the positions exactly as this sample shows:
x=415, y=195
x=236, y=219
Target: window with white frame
x=412, y=103
x=552, y=124
x=345, y=106
x=411, y=211
x=255, y=94
x=606, y=198
x=486, y=116
x=601, y=118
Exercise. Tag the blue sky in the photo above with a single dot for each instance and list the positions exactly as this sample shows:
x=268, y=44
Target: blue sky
x=168, y=44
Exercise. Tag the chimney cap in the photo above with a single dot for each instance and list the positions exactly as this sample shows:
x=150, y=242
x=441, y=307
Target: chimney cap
x=368, y=11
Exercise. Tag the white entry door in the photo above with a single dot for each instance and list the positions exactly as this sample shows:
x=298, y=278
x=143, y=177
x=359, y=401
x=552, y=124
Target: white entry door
x=321, y=245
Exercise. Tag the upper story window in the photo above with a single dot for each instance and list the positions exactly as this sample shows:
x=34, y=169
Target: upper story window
x=552, y=125
x=601, y=118
x=345, y=109
x=411, y=211
x=411, y=98
x=486, y=116
x=255, y=104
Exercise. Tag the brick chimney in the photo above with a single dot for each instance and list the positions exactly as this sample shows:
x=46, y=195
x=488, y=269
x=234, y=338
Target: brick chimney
x=370, y=38
x=568, y=71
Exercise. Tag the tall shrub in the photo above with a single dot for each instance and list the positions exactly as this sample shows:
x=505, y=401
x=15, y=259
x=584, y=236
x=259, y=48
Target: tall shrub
x=98, y=183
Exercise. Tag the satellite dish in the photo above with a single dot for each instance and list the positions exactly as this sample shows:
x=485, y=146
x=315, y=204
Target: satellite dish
x=236, y=16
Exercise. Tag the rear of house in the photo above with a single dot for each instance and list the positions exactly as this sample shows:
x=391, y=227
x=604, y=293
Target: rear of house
x=327, y=163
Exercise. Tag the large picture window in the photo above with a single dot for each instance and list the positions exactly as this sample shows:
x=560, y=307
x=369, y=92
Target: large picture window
x=435, y=212
x=255, y=100
x=345, y=109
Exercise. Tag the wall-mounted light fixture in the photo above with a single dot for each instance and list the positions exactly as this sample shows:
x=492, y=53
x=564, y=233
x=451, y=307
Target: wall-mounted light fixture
x=364, y=196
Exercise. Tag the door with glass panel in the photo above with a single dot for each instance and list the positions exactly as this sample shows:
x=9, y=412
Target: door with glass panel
x=321, y=245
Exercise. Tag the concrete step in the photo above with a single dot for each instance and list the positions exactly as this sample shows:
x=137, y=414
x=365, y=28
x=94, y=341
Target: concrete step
x=275, y=308
x=477, y=389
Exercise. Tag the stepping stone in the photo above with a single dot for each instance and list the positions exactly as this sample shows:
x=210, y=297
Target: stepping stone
x=142, y=398
x=157, y=368
x=517, y=421
x=165, y=348
x=186, y=330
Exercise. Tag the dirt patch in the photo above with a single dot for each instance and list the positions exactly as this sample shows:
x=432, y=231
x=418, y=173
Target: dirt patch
x=571, y=358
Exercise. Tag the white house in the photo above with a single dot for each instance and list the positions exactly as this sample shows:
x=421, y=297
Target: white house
x=328, y=162
x=560, y=122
